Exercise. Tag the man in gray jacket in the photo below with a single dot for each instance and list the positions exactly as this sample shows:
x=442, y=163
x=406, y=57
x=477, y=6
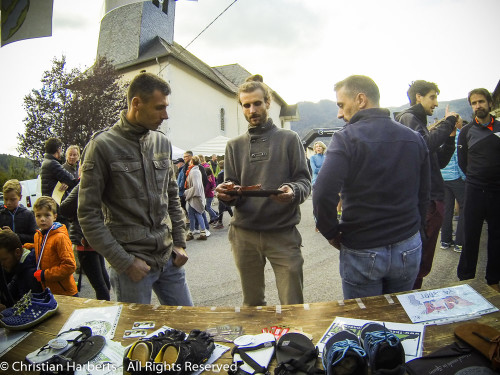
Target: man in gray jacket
x=127, y=172
x=265, y=227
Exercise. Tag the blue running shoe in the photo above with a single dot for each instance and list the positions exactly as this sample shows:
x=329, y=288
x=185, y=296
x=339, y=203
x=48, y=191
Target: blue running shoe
x=24, y=301
x=30, y=314
x=343, y=355
x=386, y=355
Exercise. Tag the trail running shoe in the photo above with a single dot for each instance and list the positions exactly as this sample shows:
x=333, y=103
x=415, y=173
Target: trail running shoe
x=24, y=301
x=141, y=354
x=344, y=355
x=31, y=314
x=385, y=352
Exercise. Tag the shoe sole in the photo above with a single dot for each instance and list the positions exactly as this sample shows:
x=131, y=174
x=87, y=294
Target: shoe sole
x=45, y=316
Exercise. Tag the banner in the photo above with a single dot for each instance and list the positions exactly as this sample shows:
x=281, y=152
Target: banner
x=25, y=19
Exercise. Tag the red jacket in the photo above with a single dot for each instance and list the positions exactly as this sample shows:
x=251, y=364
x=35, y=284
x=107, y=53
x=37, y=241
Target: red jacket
x=58, y=261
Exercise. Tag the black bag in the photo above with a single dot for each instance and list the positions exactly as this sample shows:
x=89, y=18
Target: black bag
x=454, y=359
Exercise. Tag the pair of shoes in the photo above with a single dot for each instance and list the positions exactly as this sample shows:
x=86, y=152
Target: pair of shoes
x=189, y=236
x=76, y=345
x=457, y=249
x=168, y=352
x=31, y=312
x=218, y=226
x=376, y=347
x=207, y=233
x=446, y=245
x=202, y=237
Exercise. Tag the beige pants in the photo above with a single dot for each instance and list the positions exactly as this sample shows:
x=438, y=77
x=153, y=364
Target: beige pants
x=282, y=249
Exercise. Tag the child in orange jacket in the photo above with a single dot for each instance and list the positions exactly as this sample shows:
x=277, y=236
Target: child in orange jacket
x=54, y=254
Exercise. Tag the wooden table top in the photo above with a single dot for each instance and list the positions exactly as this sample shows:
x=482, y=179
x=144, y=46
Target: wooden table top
x=314, y=318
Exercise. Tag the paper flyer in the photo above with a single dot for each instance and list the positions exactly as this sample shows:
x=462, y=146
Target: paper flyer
x=445, y=305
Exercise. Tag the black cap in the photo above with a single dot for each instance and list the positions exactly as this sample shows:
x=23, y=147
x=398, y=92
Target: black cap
x=180, y=160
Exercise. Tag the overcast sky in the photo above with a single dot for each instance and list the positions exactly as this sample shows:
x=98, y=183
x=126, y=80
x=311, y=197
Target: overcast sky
x=300, y=47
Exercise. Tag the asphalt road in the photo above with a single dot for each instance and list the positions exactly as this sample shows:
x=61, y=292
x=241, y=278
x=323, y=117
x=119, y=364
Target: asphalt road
x=214, y=280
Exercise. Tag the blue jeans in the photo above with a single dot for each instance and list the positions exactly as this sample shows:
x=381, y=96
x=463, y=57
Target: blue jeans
x=210, y=210
x=169, y=285
x=196, y=218
x=381, y=270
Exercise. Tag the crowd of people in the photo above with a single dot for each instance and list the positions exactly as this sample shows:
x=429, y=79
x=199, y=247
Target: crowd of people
x=128, y=204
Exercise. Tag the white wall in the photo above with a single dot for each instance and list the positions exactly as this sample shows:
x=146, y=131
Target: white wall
x=195, y=103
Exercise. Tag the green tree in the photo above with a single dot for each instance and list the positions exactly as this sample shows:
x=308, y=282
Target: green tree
x=46, y=110
x=71, y=106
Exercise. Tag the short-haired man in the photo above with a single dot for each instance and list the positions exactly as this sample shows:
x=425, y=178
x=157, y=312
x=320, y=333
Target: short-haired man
x=52, y=170
x=261, y=227
x=479, y=158
x=127, y=170
x=441, y=145
x=381, y=169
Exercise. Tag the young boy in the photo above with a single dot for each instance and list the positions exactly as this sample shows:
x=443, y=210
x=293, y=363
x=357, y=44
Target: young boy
x=19, y=265
x=13, y=216
x=53, y=251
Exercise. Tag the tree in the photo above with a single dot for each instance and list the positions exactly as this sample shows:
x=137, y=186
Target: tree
x=46, y=110
x=71, y=106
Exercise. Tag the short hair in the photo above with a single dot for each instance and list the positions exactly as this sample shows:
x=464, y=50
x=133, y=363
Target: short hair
x=195, y=160
x=73, y=147
x=144, y=84
x=52, y=145
x=355, y=84
x=420, y=87
x=323, y=146
x=10, y=241
x=45, y=202
x=252, y=83
x=12, y=185
x=189, y=153
x=482, y=92
x=202, y=158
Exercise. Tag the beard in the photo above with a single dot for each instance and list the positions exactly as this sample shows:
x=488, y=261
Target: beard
x=481, y=112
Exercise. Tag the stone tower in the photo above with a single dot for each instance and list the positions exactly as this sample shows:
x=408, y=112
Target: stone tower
x=129, y=26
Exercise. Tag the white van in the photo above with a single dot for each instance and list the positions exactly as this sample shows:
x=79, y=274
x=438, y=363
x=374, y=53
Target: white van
x=31, y=191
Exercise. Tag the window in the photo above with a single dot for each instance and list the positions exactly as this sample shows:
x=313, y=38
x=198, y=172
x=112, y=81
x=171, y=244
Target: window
x=222, y=123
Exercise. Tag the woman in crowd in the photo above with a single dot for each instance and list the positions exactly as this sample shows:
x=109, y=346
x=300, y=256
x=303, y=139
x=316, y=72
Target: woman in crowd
x=195, y=199
x=317, y=159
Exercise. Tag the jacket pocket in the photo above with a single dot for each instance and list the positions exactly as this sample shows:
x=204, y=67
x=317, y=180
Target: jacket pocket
x=161, y=168
x=127, y=178
x=128, y=234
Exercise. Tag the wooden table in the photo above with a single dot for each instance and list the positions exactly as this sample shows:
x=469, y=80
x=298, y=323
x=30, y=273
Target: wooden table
x=312, y=318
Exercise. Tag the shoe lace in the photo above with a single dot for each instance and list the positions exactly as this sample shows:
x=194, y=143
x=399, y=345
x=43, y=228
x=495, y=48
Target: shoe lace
x=376, y=337
x=23, y=302
x=343, y=346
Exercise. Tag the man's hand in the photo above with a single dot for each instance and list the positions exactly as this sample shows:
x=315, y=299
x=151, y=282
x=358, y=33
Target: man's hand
x=5, y=227
x=180, y=256
x=285, y=197
x=335, y=241
x=137, y=270
x=221, y=192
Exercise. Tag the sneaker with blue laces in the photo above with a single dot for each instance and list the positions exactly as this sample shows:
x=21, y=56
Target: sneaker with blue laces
x=31, y=313
x=343, y=355
x=385, y=353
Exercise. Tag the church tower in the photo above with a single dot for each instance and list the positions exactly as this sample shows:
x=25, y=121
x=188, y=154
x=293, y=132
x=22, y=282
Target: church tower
x=130, y=26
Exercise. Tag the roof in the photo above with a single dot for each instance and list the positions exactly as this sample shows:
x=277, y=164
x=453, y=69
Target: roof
x=160, y=48
x=215, y=145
